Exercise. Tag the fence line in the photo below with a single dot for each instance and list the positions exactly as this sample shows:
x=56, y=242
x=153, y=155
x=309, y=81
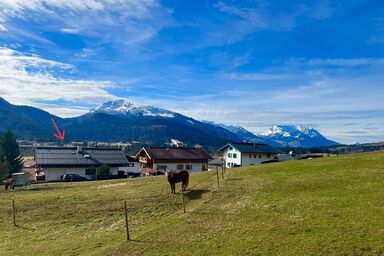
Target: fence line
x=204, y=181
x=76, y=206
x=83, y=207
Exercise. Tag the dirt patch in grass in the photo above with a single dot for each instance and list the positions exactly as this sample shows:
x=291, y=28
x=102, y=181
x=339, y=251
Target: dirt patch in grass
x=111, y=185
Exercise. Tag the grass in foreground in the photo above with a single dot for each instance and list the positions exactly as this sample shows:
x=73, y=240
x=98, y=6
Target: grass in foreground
x=331, y=206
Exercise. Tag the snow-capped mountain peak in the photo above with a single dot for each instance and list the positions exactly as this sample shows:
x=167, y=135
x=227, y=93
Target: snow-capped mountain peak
x=124, y=107
x=296, y=135
x=291, y=131
x=120, y=106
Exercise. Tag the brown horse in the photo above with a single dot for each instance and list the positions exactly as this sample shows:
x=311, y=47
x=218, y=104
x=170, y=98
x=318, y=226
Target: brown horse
x=8, y=183
x=176, y=177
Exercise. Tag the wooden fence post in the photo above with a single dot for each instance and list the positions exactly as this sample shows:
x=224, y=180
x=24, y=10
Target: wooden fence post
x=126, y=219
x=14, y=212
x=223, y=166
x=217, y=175
x=222, y=171
x=182, y=195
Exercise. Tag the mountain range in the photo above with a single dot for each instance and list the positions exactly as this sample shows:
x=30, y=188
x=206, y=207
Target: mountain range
x=124, y=120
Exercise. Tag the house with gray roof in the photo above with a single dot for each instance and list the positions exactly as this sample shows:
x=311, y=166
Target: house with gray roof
x=244, y=154
x=54, y=162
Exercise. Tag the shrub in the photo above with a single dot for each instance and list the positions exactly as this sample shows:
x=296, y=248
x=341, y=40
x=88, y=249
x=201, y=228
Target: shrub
x=102, y=170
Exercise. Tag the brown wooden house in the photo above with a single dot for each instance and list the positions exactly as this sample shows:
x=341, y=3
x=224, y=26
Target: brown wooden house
x=159, y=159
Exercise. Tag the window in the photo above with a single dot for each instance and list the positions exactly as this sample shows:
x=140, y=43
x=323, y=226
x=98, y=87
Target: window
x=204, y=168
x=131, y=165
x=162, y=167
x=90, y=171
x=250, y=156
x=188, y=167
x=260, y=156
x=234, y=155
x=180, y=167
x=268, y=155
x=254, y=156
x=229, y=164
x=229, y=155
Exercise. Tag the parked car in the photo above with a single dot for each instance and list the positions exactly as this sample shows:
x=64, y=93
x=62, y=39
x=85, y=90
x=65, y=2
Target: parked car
x=133, y=174
x=73, y=177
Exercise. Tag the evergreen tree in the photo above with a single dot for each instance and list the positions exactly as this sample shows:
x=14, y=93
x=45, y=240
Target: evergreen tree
x=3, y=170
x=10, y=152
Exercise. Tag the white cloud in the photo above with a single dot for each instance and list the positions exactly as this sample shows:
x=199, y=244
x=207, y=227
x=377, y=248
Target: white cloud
x=13, y=59
x=70, y=30
x=131, y=21
x=342, y=62
x=258, y=13
x=327, y=104
x=86, y=52
x=253, y=15
x=27, y=79
x=3, y=28
x=259, y=76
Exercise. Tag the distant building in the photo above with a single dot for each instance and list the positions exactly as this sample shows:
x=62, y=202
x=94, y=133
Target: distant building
x=245, y=154
x=176, y=143
x=54, y=162
x=133, y=167
x=156, y=160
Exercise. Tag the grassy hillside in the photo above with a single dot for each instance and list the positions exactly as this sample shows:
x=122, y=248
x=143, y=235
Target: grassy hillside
x=331, y=206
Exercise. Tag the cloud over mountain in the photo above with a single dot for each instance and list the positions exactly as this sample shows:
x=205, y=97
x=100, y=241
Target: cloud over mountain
x=27, y=79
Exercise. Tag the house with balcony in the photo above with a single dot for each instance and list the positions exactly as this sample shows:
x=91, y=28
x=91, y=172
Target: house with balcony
x=157, y=160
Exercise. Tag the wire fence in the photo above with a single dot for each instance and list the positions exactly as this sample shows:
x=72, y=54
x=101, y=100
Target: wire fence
x=129, y=211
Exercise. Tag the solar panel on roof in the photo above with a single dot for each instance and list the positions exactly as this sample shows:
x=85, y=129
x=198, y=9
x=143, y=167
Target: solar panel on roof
x=61, y=156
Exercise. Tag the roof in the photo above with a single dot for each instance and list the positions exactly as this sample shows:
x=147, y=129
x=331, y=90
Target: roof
x=251, y=148
x=131, y=158
x=70, y=157
x=217, y=161
x=162, y=153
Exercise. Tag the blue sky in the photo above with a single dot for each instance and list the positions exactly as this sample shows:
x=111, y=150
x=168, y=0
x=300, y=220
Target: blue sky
x=249, y=63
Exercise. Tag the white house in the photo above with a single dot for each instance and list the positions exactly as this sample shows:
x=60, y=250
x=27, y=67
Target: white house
x=156, y=160
x=134, y=167
x=245, y=154
x=54, y=162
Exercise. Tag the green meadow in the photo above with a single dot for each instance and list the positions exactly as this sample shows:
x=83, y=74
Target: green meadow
x=329, y=206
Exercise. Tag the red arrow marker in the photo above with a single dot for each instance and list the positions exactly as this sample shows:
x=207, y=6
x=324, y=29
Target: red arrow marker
x=60, y=135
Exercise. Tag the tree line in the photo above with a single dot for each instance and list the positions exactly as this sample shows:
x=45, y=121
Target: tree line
x=11, y=161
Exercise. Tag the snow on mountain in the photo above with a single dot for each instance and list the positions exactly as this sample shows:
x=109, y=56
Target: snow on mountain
x=127, y=107
x=240, y=132
x=291, y=131
x=277, y=136
x=281, y=136
x=295, y=136
x=33, y=123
